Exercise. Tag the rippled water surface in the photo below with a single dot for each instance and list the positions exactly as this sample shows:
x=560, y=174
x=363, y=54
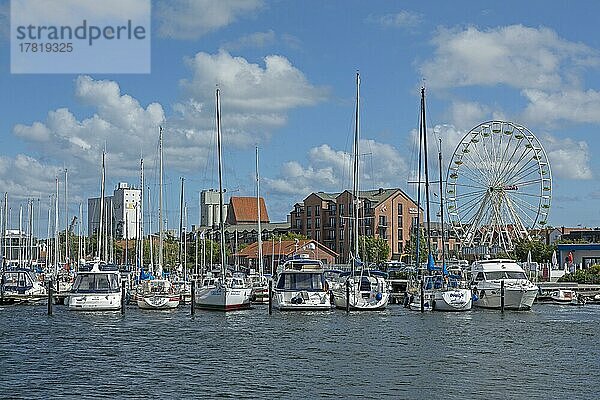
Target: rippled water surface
x=550, y=352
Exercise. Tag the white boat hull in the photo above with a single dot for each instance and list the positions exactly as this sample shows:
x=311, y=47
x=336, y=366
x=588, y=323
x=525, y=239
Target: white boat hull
x=158, y=302
x=361, y=301
x=302, y=300
x=94, y=302
x=515, y=298
x=452, y=300
x=223, y=298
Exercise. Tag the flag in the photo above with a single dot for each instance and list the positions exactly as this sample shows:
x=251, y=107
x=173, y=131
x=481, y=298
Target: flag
x=430, y=263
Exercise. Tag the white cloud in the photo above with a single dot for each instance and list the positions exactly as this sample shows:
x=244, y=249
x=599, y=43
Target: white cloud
x=467, y=114
x=515, y=55
x=191, y=19
x=568, y=105
x=277, y=87
x=329, y=169
x=256, y=39
x=569, y=159
x=401, y=19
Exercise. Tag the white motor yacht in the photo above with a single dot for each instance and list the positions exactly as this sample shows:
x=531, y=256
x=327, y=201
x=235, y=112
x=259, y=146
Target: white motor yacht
x=22, y=285
x=220, y=294
x=97, y=289
x=486, y=280
x=301, y=285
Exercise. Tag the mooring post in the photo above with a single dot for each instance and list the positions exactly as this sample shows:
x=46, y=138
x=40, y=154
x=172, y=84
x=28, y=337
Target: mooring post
x=123, y=298
x=193, y=300
x=422, y=296
x=270, y=296
x=50, y=297
x=348, y=295
x=502, y=295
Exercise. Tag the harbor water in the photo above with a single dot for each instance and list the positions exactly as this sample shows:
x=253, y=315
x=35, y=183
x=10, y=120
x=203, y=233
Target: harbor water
x=549, y=352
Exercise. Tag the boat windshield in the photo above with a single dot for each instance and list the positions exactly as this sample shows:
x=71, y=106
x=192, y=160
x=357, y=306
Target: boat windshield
x=300, y=281
x=96, y=283
x=496, y=275
x=17, y=279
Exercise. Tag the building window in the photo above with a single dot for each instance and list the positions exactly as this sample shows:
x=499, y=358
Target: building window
x=332, y=207
x=317, y=223
x=298, y=224
x=309, y=223
x=317, y=210
x=341, y=209
x=400, y=247
x=382, y=220
x=317, y=235
x=332, y=222
x=368, y=231
x=399, y=208
x=399, y=220
x=308, y=211
x=341, y=234
x=309, y=235
x=341, y=247
x=400, y=233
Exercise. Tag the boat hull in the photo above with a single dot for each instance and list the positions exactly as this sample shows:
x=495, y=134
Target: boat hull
x=290, y=300
x=519, y=299
x=452, y=300
x=94, y=302
x=359, y=300
x=158, y=302
x=223, y=298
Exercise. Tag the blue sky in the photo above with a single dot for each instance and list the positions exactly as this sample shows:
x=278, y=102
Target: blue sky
x=286, y=70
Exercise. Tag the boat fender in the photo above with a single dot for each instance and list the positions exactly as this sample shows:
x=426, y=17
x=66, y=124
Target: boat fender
x=406, y=301
x=299, y=300
x=326, y=286
x=331, y=298
x=433, y=304
x=475, y=297
x=293, y=300
x=378, y=296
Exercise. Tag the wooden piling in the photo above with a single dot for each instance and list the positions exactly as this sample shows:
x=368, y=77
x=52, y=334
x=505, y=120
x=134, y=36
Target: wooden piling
x=193, y=300
x=122, y=298
x=502, y=295
x=348, y=295
x=270, y=296
x=422, y=296
x=50, y=297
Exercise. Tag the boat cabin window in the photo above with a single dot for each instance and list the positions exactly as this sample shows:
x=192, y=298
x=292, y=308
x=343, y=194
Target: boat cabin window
x=515, y=275
x=92, y=283
x=494, y=275
x=18, y=279
x=480, y=276
x=300, y=281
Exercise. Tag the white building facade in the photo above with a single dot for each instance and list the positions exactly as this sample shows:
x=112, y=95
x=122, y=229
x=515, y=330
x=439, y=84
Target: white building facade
x=121, y=212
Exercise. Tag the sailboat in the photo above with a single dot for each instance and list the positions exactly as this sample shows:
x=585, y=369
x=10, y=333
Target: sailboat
x=258, y=281
x=368, y=289
x=97, y=286
x=439, y=290
x=223, y=294
x=158, y=293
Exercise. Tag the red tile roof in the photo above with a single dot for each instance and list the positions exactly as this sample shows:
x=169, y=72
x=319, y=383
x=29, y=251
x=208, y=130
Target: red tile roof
x=244, y=210
x=285, y=248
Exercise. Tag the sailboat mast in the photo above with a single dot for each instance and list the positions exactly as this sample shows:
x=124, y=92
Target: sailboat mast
x=221, y=206
x=426, y=165
x=181, y=212
x=417, y=229
x=56, y=248
x=160, y=201
x=260, y=253
x=141, y=217
x=101, y=227
x=441, y=205
x=66, y=216
x=150, y=236
x=355, y=189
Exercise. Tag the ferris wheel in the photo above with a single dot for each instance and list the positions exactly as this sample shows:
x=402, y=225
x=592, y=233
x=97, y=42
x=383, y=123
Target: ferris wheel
x=498, y=186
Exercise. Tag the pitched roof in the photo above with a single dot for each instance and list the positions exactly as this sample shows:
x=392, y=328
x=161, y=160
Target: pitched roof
x=244, y=210
x=283, y=248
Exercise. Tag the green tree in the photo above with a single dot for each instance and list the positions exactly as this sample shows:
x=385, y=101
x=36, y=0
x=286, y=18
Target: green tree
x=373, y=249
x=411, y=247
x=540, y=252
x=290, y=236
